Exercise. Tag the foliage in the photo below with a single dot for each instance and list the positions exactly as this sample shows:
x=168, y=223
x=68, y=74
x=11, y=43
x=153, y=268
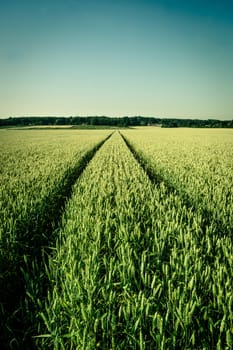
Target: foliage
x=115, y=122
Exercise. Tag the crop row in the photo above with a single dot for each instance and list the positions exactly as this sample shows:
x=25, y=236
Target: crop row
x=197, y=164
x=131, y=267
x=32, y=164
x=37, y=171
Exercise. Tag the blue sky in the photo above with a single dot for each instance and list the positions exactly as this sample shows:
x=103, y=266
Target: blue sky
x=164, y=58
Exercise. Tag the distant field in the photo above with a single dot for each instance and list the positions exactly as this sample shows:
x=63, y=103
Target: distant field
x=66, y=127
x=116, y=239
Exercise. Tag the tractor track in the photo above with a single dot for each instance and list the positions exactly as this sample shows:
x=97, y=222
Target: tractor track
x=35, y=239
x=156, y=179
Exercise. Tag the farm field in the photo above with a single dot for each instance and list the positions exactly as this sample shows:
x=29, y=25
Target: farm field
x=116, y=240
x=196, y=163
x=37, y=171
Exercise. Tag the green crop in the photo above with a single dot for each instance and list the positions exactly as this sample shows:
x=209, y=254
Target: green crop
x=141, y=256
x=37, y=170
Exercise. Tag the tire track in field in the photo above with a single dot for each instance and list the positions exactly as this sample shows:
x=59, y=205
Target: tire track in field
x=157, y=179
x=213, y=255
x=35, y=239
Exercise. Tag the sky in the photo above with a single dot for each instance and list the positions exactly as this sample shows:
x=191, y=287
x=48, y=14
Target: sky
x=164, y=58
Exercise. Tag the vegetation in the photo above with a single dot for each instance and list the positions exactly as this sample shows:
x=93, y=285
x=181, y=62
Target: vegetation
x=93, y=121
x=140, y=256
x=195, y=164
x=37, y=170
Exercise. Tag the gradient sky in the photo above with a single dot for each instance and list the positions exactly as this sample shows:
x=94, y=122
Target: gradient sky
x=167, y=58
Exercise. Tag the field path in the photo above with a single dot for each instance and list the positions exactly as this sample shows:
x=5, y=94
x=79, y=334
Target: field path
x=35, y=239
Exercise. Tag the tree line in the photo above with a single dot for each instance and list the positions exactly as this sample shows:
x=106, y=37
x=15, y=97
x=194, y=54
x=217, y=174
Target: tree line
x=117, y=122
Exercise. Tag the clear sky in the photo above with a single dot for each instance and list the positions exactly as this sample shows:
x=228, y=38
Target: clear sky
x=165, y=58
